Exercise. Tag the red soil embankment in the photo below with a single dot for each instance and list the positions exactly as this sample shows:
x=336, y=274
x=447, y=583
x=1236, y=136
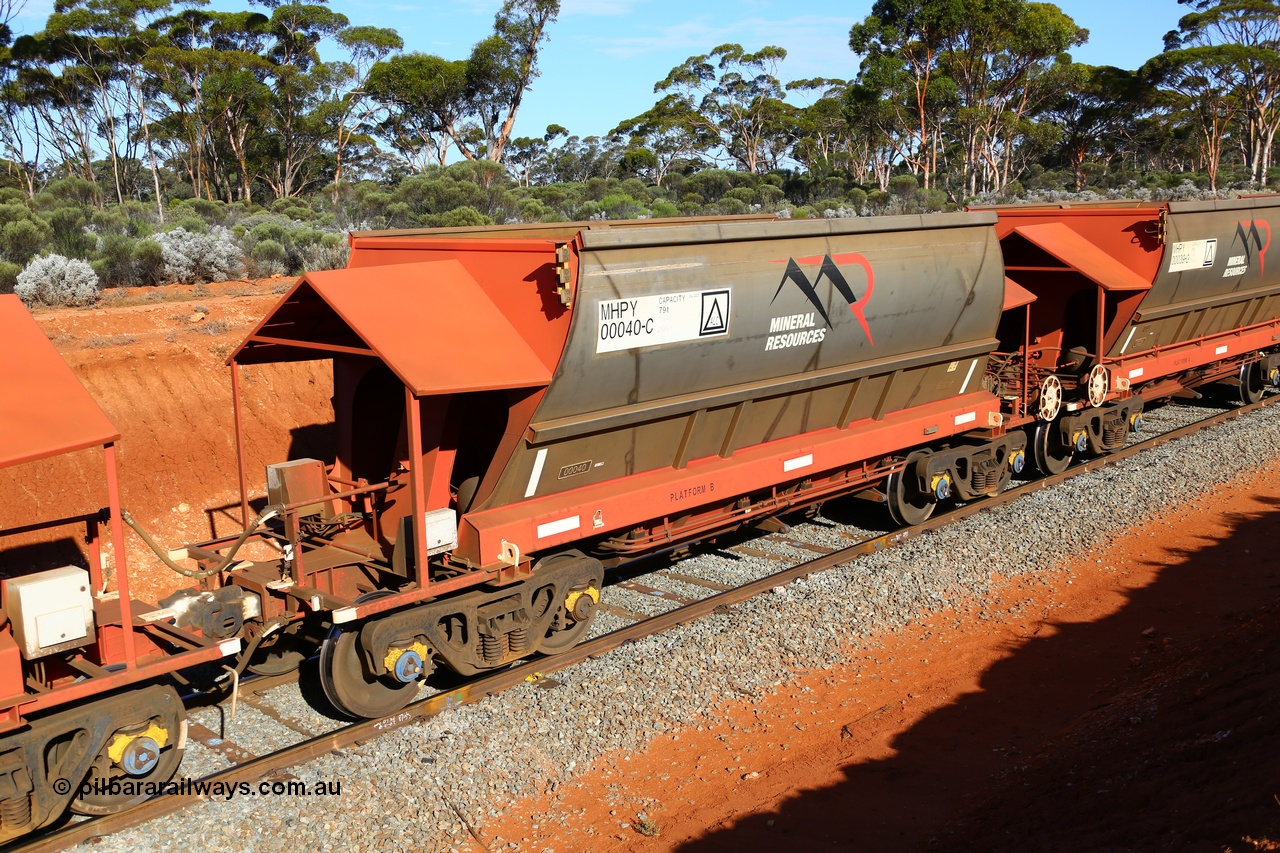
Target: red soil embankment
x=158, y=370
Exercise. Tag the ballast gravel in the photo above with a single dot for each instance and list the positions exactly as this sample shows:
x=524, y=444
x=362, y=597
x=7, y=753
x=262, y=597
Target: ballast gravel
x=430, y=786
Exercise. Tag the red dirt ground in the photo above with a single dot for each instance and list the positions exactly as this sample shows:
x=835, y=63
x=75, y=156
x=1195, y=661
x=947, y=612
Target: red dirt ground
x=1099, y=708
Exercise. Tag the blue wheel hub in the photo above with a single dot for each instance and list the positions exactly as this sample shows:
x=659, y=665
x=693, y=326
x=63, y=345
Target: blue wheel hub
x=408, y=667
x=141, y=756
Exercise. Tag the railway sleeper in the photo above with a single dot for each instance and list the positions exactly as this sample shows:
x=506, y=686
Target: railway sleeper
x=135, y=736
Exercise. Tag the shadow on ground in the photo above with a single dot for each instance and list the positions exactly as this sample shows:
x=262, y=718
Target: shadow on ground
x=1163, y=739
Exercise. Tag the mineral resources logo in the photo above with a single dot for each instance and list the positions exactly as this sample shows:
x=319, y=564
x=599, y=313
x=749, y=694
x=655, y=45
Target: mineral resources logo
x=801, y=329
x=1250, y=238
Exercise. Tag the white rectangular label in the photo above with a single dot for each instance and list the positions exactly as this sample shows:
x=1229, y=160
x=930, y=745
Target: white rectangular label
x=1135, y=373
x=1192, y=255
x=668, y=318
x=1220, y=350
x=966, y=418
x=564, y=525
x=799, y=462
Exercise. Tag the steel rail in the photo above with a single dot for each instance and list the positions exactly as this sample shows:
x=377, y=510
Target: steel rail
x=487, y=685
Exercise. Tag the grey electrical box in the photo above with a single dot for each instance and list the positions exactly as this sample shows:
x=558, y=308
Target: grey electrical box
x=51, y=611
x=300, y=480
x=442, y=531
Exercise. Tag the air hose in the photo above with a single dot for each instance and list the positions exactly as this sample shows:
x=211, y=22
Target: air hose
x=198, y=574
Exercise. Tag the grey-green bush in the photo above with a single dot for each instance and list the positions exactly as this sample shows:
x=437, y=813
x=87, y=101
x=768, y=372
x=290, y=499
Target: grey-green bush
x=55, y=280
x=192, y=258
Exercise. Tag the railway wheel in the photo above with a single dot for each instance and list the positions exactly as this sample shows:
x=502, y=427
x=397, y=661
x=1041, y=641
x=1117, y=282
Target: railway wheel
x=132, y=765
x=1251, y=383
x=351, y=686
x=572, y=615
x=908, y=505
x=1051, y=455
x=347, y=680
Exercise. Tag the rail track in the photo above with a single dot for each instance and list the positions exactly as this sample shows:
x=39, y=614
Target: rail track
x=248, y=767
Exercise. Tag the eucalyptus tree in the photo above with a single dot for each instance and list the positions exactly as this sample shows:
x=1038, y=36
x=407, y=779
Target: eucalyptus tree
x=296, y=136
x=425, y=101
x=21, y=101
x=734, y=95
x=1226, y=41
x=102, y=43
x=821, y=131
x=1203, y=84
x=501, y=68
x=1007, y=58
x=347, y=107
x=1093, y=114
x=670, y=132
x=58, y=105
x=878, y=141
x=902, y=42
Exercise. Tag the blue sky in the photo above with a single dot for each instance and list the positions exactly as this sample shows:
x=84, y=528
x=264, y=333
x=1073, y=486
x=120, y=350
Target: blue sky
x=604, y=56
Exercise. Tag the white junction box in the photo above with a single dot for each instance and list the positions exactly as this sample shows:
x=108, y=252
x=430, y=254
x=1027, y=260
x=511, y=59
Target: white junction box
x=442, y=531
x=51, y=611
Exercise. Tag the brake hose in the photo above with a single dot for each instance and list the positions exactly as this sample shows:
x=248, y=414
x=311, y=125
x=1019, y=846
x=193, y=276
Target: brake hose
x=199, y=574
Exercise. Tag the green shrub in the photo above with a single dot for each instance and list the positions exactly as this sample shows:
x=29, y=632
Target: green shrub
x=299, y=237
x=190, y=224
x=69, y=237
x=532, y=210
x=903, y=186
x=731, y=206
x=620, y=206
x=13, y=212
x=77, y=191
x=9, y=276
x=462, y=216
x=210, y=211
x=22, y=239
x=148, y=262
x=114, y=264
x=269, y=258
x=109, y=221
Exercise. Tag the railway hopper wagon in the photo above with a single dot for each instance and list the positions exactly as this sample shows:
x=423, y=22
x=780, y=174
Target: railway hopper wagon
x=1130, y=302
x=85, y=694
x=518, y=408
